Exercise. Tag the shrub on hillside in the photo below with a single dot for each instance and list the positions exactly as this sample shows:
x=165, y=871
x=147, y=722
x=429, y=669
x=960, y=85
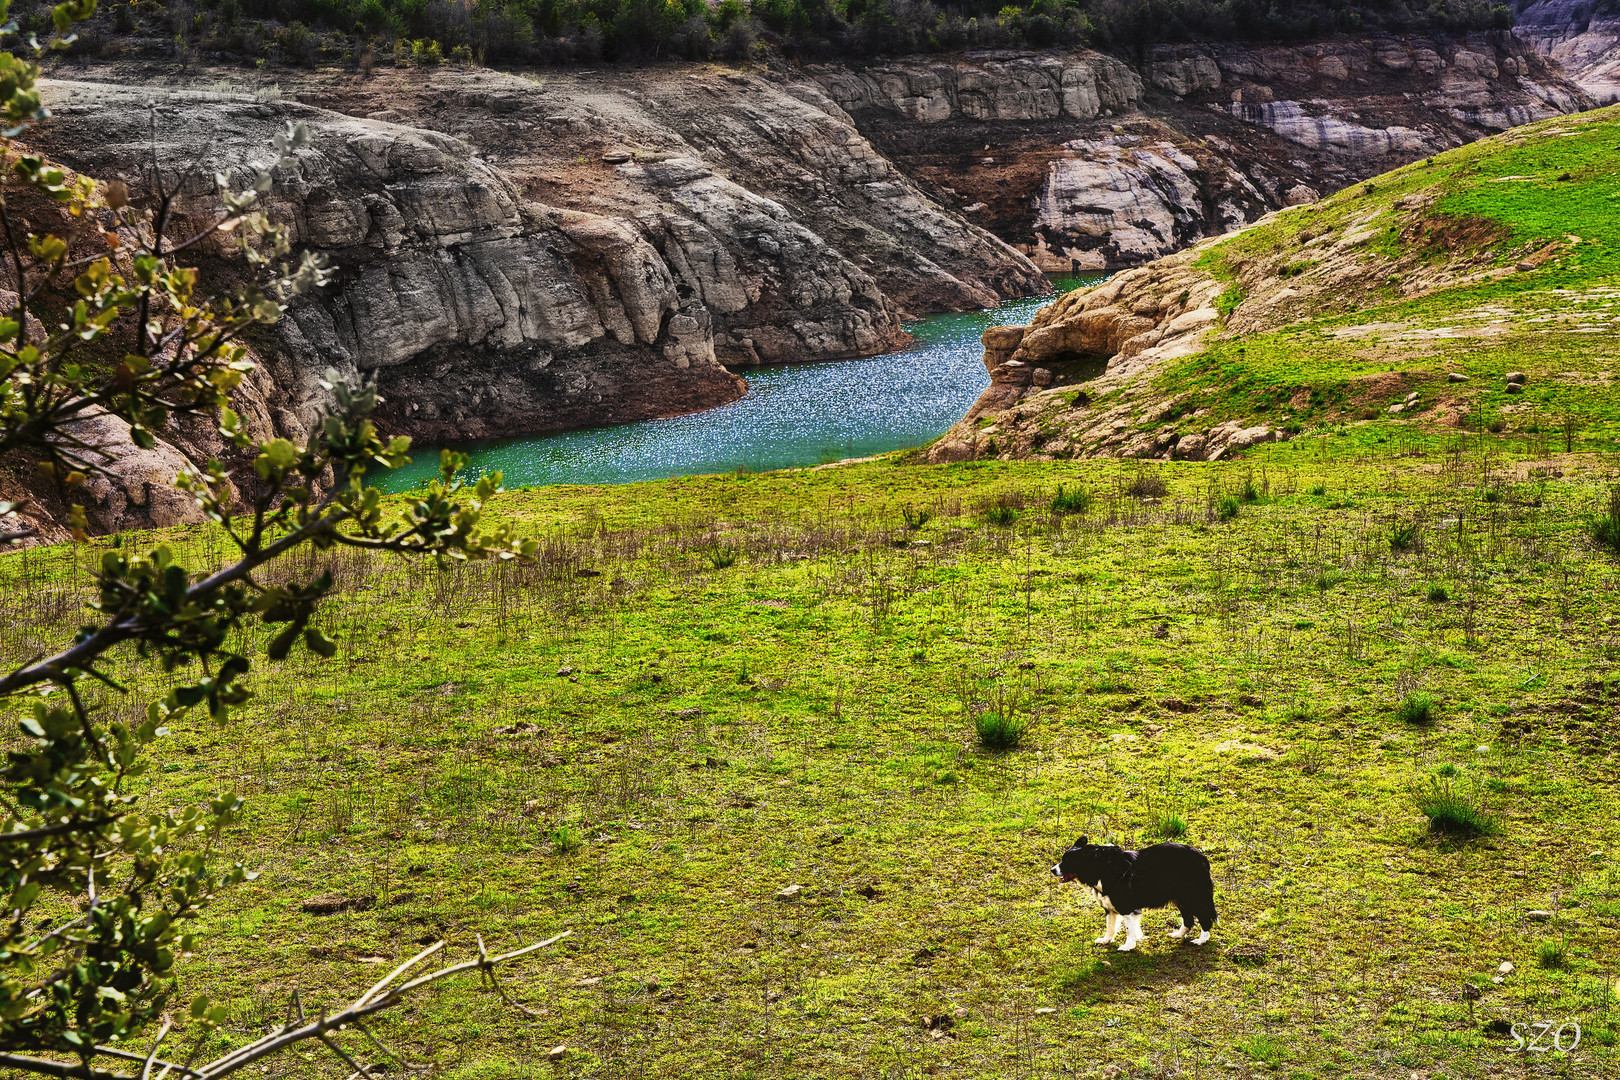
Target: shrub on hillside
x=1147, y=484
x=1075, y=500
x=1416, y=707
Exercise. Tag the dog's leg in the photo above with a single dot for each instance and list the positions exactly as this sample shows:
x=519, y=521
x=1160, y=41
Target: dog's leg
x=1133, y=932
x=1180, y=931
x=1110, y=933
x=1203, y=935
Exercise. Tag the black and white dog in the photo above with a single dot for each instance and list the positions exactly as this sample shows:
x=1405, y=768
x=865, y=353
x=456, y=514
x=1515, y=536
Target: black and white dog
x=1127, y=882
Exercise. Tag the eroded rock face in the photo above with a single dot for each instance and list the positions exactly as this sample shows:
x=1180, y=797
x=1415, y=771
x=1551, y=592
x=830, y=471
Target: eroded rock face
x=1081, y=85
x=1582, y=37
x=768, y=205
x=1200, y=140
x=480, y=313
x=1122, y=200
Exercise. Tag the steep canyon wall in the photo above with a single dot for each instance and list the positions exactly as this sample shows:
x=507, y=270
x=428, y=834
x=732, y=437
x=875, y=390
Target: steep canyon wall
x=525, y=254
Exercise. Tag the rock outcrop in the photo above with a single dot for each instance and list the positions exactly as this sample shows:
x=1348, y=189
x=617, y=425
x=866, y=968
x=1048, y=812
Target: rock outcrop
x=1085, y=163
x=479, y=312
x=1045, y=376
x=1582, y=36
x=1013, y=87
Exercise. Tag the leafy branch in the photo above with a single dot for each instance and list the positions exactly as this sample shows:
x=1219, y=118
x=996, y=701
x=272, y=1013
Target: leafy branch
x=99, y=888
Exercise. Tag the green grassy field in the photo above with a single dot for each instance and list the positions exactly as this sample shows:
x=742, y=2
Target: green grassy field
x=709, y=690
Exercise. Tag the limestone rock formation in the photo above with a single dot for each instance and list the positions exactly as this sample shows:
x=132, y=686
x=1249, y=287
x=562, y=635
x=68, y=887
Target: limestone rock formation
x=1201, y=139
x=1122, y=200
x=1088, y=343
x=991, y=86
x=802, y=239
x=551, y=319
x=1582, y=36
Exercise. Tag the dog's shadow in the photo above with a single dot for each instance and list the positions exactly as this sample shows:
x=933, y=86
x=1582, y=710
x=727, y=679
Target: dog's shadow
x=1092, y=969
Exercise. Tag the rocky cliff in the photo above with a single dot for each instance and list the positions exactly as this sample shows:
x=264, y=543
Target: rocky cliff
x=1582, y=36
x=771, y=208
x=1085, y=162
x=479, y=312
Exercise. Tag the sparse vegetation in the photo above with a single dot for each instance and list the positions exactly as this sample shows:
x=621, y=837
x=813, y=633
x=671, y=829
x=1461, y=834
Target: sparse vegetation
x=1416, y=707
x=1606, y=525
x=1072, y=500
x=1452, y=811
x=1147, y=483
x=1169, y=826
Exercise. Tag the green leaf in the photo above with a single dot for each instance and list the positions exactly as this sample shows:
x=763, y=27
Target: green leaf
x=319, y=643
x=282, y=643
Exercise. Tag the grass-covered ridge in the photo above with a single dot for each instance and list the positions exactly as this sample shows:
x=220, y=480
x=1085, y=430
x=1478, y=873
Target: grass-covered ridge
x=1499, y=256
x=709, y=690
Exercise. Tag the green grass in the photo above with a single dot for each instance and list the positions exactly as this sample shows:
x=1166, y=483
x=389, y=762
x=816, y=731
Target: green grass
x=1454, y=812
x=809, y=715
x=1416, y=707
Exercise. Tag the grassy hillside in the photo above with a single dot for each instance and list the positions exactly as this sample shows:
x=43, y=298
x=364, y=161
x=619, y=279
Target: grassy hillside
x=1499, y=256
x=1385, y=318
x=1320, y=665
x=712, y=689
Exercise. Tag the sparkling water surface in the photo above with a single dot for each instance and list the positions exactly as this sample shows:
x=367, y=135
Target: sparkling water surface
x=792, y=415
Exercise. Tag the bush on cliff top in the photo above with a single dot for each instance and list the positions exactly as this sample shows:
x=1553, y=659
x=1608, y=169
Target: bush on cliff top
x=565, y=31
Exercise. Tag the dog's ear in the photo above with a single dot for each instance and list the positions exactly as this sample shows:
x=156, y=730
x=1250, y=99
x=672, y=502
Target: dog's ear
x=1082, y=842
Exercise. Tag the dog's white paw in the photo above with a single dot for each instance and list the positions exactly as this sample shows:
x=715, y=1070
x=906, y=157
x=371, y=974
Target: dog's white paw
x=1104, y=940
x=1128, y=946
x=1201, y=938
x=1180, y=932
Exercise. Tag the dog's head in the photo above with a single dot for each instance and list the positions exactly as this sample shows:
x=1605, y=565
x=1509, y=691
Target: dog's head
x=1090, y=863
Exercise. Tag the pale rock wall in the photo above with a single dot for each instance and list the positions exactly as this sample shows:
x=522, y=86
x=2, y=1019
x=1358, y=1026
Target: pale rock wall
x=1585, y=42
x=480, y=312
x=1121, y=200
x=1083, y=86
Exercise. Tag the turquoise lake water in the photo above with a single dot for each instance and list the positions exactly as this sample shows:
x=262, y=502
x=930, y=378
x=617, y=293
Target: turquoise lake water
x=792, y=415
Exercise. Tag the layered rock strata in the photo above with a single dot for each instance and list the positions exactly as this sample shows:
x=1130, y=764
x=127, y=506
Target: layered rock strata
x=1086, y=163
x=1582, y=36
x=478, y=311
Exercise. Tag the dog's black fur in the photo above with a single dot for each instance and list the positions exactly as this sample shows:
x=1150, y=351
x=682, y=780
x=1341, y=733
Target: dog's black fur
x=1153, y=877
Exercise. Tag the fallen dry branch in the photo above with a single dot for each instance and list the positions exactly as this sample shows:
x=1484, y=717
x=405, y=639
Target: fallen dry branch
x=383, y=995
